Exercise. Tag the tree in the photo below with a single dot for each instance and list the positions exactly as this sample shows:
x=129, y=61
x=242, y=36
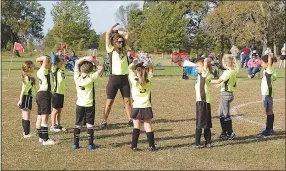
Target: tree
x=135, y=22
x=250, y=23
x=21, y=21
x=71, y=25
x=123, y=12
x=164, y=27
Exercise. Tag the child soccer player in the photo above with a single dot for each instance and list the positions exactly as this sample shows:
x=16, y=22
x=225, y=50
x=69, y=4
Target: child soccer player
x=43, y=100
x=26, y=96
x=203, y=98
x=140, y=80
x=84, y=78
x=269, y=76
x=227, y=82
x=58, y=70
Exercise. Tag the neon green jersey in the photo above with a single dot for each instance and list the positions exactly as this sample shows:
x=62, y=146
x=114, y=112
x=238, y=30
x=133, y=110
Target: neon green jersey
x=28, y=88
x=269, y=76
x=43, y=75
x=202, y=86
x=85, y=87
x=140, y=94
x=119, y=64
x=59, y=79
x=229, y=80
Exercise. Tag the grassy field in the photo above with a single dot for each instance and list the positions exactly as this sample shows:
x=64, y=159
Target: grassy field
x=173, y=102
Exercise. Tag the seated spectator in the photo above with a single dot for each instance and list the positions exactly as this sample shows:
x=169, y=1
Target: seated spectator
x=254, y=65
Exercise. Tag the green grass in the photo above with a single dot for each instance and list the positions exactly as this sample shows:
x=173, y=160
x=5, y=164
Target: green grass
x=173, y=101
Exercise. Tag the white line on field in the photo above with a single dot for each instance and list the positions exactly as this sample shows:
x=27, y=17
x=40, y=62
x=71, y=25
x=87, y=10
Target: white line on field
x=234, y=113
x=3, y=90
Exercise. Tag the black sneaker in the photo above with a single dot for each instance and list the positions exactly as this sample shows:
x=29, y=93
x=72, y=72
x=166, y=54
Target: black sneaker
x=209, y=145
x=223, y=136
x=130, y=123
x=231, y=136
x=103, y=125
x=61, y=128
x=135, y=149
x=153, y=148
x=196, y=145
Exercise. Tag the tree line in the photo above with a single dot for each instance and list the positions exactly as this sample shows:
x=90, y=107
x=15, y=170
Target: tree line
x=159, y=26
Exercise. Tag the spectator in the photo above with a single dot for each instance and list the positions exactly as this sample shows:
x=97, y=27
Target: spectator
x=245, y=56
x=283, y=55
x=234, y=51
x=254, y=65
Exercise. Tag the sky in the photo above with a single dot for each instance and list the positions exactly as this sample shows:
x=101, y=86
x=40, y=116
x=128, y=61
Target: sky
x=102, y=13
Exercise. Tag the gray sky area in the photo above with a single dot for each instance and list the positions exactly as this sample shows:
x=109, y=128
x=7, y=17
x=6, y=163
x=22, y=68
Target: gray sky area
x=102, y=13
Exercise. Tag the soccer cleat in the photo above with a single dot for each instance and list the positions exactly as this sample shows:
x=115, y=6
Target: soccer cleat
x=55, y=129
x=231, y=136
x=223, y=136
x=135, y=149
x=103, y=124
x=75, y=146
x=61, y=128
x=49, y=142
x=252, y=76
x=28, y=136
x=249, y=76
x=266, y=132
x=209, y=145
x=153, y=148
x=93, y=147
x=41, y=140
x=130, y=123
x=196, y=145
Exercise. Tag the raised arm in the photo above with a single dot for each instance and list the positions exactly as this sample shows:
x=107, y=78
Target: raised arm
x=45, y=60
x=100, y=68
x=132, y=65
x=206, y=62
x=123, y=34
x=107, y=36
x=270, y=60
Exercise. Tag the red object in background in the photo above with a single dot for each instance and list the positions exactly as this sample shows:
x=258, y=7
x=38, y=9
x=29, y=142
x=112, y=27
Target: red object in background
x=184, y=54
x=133, y=54
x=64, y=46
x=18, y=47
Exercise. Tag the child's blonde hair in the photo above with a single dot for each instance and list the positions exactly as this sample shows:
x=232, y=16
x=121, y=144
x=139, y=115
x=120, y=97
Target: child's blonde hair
x=228, y=60
x=26, y=68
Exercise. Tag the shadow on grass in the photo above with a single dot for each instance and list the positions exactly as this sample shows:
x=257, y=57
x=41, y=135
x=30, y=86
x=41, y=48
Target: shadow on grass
x=187, y=120
x=84, y=138
x=237, y=141
x=156, y=139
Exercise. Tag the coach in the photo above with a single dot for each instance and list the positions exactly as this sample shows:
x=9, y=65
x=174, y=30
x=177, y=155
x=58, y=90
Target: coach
x=118, y=78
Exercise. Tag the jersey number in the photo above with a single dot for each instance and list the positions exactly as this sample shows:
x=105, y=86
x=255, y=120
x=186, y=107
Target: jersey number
x=142, y=90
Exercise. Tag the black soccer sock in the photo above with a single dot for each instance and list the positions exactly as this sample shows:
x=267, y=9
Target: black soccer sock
x=39, y=132
x=228, y=125
x=207, y=135
x=23, y=125
x=269, y=122
x=90, y=133
x=222, y=123
x=198, y=136
x=76, y=136
x=150, y=137
x=26, y=126
x=135, y=136
x=45, y=134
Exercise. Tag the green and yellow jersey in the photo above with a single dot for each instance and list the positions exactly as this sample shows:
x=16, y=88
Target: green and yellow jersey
x=140, y=94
